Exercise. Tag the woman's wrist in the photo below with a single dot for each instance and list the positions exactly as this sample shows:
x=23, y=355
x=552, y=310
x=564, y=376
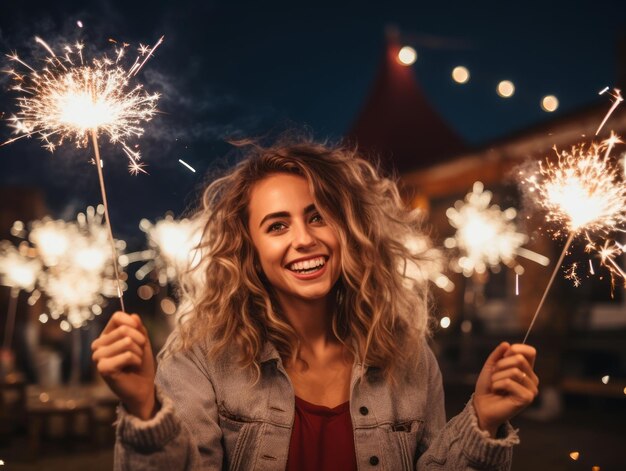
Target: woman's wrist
x=146, y=409
x=491, y=429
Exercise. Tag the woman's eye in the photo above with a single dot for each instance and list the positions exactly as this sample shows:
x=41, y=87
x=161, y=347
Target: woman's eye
x=317, y=218
x=277, y=226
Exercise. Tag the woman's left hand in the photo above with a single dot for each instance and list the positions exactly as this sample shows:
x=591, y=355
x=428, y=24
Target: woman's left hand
x=506, y=385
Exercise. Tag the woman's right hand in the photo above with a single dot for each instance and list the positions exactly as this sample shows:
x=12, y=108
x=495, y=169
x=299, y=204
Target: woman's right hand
x=123, y=356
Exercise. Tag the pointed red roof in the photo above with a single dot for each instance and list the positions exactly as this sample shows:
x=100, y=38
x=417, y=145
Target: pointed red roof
x=398, y=123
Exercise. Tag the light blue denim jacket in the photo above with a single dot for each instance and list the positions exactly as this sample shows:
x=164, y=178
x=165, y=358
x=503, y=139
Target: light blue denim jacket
x=213, y=417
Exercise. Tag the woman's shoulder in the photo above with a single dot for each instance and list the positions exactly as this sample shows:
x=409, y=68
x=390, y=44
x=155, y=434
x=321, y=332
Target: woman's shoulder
x=198, y=350
x=211, y=354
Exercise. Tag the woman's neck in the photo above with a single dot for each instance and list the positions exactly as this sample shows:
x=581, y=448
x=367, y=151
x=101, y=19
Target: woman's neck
x=312, y=321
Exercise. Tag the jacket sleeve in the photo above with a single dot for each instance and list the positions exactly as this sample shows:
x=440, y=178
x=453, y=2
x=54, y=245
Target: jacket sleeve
x=184, y=434
x=459, y=444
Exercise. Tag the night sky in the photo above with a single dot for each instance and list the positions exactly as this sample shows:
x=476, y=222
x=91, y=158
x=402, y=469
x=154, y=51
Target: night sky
x=248, y=69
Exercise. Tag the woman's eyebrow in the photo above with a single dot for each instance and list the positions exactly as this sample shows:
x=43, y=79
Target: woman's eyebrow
x=285, y=214
x=279, y=214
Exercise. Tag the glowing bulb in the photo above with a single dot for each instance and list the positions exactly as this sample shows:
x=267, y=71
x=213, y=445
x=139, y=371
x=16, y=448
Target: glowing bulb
x=549, y=103
x=506, y=89
x=444, y=322
x=407, y=55
x=460, y=74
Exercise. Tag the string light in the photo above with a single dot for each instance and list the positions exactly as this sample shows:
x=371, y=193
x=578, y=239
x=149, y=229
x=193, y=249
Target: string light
x=505, y=89
x=460, y=74
x=549, y=103
x=407, y=55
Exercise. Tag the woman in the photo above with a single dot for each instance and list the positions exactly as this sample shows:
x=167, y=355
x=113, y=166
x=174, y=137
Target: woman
x=301, y=344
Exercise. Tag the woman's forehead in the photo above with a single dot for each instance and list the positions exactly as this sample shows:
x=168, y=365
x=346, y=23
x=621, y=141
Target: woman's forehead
x=279, y=192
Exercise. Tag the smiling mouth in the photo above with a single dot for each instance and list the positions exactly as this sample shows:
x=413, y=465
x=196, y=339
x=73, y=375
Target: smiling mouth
x=307, y=266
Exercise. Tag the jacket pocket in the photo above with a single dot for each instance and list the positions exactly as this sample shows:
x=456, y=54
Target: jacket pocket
x=236, y=431
x=406, y=436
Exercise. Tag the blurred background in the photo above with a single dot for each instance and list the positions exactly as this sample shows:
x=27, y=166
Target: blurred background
x=457, y=101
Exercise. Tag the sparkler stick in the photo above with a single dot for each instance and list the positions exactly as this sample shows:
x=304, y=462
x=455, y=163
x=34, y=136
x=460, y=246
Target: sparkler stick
x=545, y=293
x=94, y=138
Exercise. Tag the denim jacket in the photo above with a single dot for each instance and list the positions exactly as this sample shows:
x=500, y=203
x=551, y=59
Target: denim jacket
x=214, y=417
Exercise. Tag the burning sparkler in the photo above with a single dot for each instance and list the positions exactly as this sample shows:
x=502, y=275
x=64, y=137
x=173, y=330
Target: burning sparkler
x=486, y=235
x=77, y=266
x=172, y=248
x=77, y=286
x=584, y=193
x=19, y=271
x=71, y=99
x=431, y=266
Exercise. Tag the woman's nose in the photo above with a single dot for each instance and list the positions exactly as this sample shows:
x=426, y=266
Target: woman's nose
x=302, y=236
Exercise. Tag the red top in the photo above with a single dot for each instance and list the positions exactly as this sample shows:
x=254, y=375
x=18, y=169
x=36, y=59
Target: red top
x=321, y=438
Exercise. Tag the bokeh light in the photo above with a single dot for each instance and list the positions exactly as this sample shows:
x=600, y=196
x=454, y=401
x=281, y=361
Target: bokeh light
x=549, y=103
x=168, y=306
x=505, y=89
x=444, y=322
x=407, y=55
x=460, y=74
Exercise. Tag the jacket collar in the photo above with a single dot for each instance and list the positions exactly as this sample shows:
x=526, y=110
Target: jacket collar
x=269, y=352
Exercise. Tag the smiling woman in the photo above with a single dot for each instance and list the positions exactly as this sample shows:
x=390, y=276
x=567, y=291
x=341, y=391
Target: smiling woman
x=301, y=346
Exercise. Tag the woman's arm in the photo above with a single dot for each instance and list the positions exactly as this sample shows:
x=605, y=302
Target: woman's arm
x=181, y=431
x=461, y=444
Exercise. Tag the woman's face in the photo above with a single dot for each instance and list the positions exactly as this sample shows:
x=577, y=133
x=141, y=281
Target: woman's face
x=298, y=252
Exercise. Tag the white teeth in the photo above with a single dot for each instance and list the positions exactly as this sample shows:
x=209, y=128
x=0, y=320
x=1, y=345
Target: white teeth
x=307, y=264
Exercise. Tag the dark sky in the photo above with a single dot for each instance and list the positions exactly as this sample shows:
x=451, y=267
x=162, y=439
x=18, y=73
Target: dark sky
x=234, y=69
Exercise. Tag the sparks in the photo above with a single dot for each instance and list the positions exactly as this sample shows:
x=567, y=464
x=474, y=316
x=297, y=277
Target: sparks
x=486, y=235
x=187, y=165
x=572, y=274
x=78, y=272
x=67, y=99
x=172, y=249
x=581, y=191
x=617, y=97
x=431, y=266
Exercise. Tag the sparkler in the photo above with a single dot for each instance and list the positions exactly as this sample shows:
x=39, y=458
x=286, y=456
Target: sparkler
x=583, y=193
x=172, y=248
x=431, y=266
x=77, y=286
x=486, y=235
x=70, y=99
x=77, y=266
x=18, y=271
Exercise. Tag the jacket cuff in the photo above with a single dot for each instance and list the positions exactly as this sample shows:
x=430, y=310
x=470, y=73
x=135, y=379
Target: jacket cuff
x=479, y=448
x=152, y=434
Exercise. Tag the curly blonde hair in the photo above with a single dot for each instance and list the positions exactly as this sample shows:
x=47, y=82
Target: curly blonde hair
x=377, y=314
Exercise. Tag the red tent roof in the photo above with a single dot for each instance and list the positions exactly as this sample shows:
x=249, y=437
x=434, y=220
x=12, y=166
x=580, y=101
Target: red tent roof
x=398, y=123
